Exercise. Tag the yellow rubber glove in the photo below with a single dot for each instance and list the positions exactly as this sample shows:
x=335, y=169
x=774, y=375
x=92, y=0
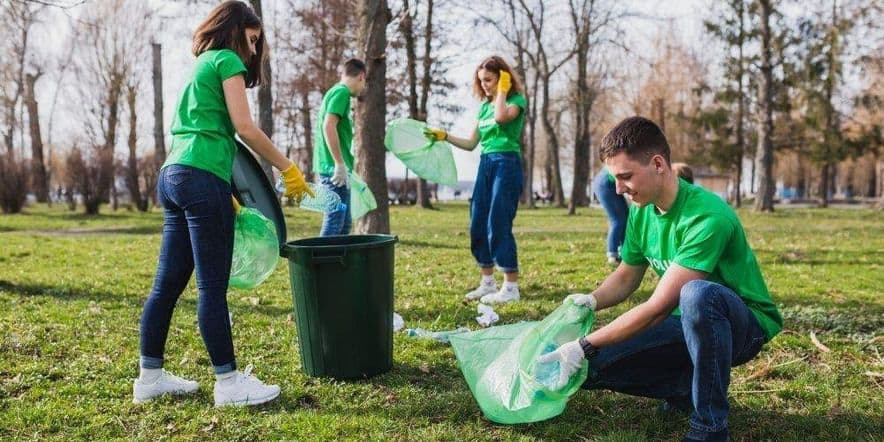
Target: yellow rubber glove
x=504, y=83
x=236, y=206
x=295, y=185
x=434, y=134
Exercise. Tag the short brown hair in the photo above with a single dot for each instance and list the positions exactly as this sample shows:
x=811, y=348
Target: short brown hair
x=684, y=171
x=496, y=64
x=225, y=28
x=638, y=137
x=353, y=67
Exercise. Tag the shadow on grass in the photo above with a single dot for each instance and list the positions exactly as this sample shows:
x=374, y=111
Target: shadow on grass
x=612, y=416
x=139, y=230
x=64, y=293
x=427, y=244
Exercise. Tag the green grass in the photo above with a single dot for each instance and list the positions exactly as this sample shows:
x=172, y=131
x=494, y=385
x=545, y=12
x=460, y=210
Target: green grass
x=72, y=288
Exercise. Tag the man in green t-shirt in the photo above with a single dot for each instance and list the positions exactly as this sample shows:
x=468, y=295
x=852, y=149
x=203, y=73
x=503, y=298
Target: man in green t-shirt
x=333, y=139
x=711, y=309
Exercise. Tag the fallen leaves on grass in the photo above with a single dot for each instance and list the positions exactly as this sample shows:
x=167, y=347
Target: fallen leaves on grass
x=818, y=344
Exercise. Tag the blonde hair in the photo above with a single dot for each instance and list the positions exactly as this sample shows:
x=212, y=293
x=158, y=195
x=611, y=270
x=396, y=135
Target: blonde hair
x=496, y=64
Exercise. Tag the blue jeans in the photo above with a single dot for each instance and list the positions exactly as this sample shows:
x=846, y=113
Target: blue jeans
x=687, y=356
x=616, y=209
x=339, y=221
x=493, y=209
x=197, y=234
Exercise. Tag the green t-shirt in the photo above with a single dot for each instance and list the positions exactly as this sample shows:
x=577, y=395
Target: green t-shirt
x=202, y=133
x=701, y=232
x=497, y=138
x=336, y=101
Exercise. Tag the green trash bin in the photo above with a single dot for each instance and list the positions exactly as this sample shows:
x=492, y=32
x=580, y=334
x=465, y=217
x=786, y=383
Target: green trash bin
x=342, y=288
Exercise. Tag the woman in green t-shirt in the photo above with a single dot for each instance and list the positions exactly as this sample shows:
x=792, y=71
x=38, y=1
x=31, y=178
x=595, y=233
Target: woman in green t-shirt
x=194, y=189
x=499, y=181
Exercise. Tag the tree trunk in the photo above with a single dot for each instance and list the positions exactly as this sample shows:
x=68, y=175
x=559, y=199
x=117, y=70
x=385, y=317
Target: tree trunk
x=423, y=192
x=159, y=135
x=764, y=157
x=39, y=182
x=307, y=128
x=265, y=98
x=106, y=173
x=373, y=16
x=553, y=145
x=825, y=179
x=532, y=144
x=741, y=110
x=406, y=27
x=582, y=110
x=132, y=169
x=552, y=141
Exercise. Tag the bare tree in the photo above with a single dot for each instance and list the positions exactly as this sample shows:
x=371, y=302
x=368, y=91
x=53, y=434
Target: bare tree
x=373, y=16
x=132, y=175
x=111, y=36
x=764, y=157
x=419, y=88
x=39, y=182
x=589, y=20
x=545, y=68
x=159, y=132
x=18, y=18
x=265, y=97
x=731, y=28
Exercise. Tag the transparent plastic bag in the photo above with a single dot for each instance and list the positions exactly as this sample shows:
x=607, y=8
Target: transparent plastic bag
x=325, y=201
x=430, y=160
x=500, y=365
x=255, y=249
x=361, y=199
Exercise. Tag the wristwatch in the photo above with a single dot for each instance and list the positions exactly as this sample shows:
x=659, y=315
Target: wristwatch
x=589, y=350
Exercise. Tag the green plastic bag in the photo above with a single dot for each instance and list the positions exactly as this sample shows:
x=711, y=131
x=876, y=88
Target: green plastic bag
x=361, y=199
x=255, y=249
x=430, y=160
x=500, y=365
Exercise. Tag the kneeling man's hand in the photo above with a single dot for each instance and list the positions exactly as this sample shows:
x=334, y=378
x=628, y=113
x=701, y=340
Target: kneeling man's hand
x=587, y=300
x=569, y=356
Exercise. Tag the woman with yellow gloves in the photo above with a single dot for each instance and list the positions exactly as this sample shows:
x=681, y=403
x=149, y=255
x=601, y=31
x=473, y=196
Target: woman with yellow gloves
x=499, y=181
x=194, y=188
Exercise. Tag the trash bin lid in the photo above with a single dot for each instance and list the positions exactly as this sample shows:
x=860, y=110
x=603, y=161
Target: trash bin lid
x=252, y=188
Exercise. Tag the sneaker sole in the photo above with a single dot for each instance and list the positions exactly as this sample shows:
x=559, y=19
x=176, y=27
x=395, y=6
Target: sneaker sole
x=249, y=401
x=492, y=302
x=141, y=400
x=477, y=297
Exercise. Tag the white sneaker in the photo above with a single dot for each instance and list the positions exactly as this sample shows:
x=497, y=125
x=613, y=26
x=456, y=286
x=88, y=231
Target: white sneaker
x=244, y=389
x=166, y=383
x=481, y=291
x=502, y=297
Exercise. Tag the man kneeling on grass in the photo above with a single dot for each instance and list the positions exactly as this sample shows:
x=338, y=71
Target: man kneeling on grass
x=710, y=310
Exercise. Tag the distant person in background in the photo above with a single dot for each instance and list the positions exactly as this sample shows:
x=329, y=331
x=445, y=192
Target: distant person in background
x=684, y=172
x=499, y=182
x=333, y=157
x=615, y=208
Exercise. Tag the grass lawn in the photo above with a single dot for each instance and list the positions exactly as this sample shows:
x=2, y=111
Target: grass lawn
x=72, y=289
